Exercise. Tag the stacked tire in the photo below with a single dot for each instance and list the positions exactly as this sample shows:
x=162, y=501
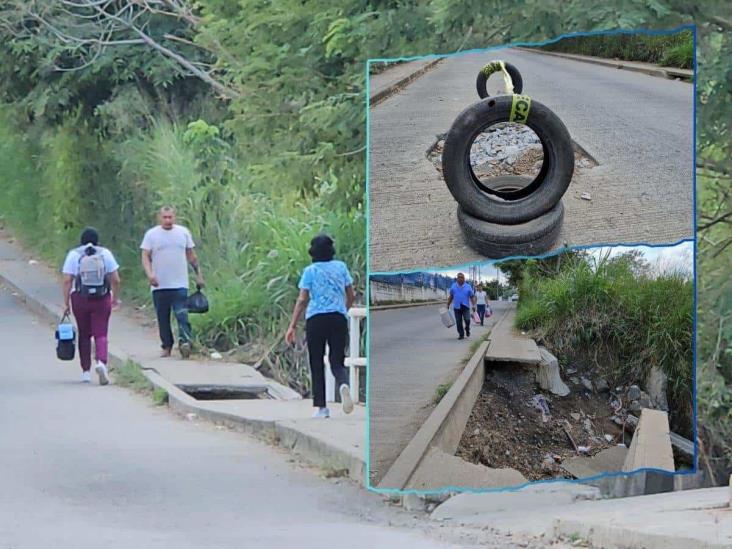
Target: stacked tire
x=509, y=215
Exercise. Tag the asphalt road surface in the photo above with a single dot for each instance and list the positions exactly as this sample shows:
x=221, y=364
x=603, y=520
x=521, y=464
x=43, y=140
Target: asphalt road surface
x=84, y=466
x=638, y=127
x=411, y=353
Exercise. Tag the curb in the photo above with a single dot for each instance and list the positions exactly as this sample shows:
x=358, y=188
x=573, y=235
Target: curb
x=404, y=305
x=313, y=450
x=668, y=73
x=378, y=97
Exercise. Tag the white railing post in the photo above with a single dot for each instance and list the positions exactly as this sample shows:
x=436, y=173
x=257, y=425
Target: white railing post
x=353, y=361
x=354, y=351
x=329, y=378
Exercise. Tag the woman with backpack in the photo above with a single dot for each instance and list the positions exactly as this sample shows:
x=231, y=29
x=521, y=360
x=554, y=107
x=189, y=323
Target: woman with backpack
x=326, y=294
x=91, y=288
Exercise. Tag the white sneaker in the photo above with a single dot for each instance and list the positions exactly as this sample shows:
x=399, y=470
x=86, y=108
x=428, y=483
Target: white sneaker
x=86, y=377
x=321, y=413
x=102, y=373
x=346, y=400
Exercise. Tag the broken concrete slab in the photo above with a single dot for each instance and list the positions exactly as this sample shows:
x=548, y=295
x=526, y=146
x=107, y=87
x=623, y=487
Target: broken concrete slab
x=651, y=445
x=606, y=461
x=508, y=345
x=535, y=496
x=682, y=445
x=656, y=384
x=441, y=469
x=548, y=376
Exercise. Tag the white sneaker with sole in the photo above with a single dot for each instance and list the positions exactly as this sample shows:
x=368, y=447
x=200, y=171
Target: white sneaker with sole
x=86, y=377
x=321, y=413
x=346, y=400
x=102, y=373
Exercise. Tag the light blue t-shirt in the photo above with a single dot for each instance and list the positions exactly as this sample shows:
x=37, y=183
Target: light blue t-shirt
x=461, y=294
x=326, y=281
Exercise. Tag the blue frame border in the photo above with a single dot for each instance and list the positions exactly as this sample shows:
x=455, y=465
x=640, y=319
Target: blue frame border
x=462, y=489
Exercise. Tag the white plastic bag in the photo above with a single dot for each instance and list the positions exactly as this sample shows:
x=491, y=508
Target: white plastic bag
x=447, y=317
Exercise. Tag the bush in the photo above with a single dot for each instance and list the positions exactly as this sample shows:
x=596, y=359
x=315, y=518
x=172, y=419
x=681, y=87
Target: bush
x=675, y=50
x=614, y=313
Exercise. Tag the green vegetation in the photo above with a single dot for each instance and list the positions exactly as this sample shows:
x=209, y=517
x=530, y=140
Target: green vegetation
x=285, y=92
x=616, y=312
x=671, y=50
x=441, y=391
x=130, y=376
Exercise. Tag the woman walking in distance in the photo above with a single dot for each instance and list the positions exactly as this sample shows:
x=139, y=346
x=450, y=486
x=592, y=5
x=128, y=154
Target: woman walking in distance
x=326, y=294
x=91, y=288
x=481, y=300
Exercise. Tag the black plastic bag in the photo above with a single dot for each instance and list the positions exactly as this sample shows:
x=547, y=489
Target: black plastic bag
x=197, y=302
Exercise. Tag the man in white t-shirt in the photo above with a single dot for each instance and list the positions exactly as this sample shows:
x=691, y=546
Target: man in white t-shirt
x=167, y=250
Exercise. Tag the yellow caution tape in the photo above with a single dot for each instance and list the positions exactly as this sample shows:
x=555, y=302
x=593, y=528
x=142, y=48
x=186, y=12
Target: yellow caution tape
x=495, y=66
x=520, y=107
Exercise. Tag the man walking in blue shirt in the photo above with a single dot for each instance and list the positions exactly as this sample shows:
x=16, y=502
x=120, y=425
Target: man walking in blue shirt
x=462, y=298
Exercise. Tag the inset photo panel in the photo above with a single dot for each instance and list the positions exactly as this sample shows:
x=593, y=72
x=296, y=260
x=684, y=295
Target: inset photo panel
x=521, y=150
x=577, y=365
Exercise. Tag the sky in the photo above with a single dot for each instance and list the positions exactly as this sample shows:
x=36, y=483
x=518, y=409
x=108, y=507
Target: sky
x=661, y=259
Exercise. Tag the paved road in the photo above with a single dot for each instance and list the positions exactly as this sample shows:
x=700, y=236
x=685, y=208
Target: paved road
x=411, y=353
x=87, y=466
x=638, y=127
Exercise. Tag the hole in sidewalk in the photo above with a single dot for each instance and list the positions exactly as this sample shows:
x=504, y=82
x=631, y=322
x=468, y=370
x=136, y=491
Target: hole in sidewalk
x=224, y=393
x=507, y=429
x=507, y=149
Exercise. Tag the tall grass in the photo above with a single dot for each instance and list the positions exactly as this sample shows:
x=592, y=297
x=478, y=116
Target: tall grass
x=674, y=50
x=606, y=311
x=252, y=244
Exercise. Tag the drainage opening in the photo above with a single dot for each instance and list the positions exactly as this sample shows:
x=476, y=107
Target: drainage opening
x=225, y=393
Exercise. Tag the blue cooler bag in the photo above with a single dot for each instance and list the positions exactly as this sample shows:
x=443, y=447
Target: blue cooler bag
x=65, y=339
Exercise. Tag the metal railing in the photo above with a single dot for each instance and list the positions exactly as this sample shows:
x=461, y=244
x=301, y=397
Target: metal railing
x=354, y=360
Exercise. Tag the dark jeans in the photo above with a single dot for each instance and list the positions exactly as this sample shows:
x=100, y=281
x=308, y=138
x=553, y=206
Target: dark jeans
x=330, y=328
x=481, y=313
x=462, y=315
x=175, y=300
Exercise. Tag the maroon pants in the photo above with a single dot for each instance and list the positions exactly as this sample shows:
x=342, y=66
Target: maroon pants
x=92, y=320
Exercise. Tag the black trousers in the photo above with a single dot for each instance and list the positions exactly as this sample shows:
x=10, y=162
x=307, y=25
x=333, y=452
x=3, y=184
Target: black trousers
x=330, y=328
x=463, y=315
x=176, y=301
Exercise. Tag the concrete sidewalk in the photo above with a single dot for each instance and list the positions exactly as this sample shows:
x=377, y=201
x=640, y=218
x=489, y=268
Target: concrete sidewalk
x=273, y=412
x=678, y=520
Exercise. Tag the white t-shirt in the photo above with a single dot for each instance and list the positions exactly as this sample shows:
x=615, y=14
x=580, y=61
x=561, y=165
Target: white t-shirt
x=71, y=264
x=169, y=261
x=480, y=297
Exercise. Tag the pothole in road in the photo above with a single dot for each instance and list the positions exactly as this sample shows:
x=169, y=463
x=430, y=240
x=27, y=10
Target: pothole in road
x=507, y=149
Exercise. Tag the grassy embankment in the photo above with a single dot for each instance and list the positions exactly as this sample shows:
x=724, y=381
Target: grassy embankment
x=622, y=322
x=670, y=50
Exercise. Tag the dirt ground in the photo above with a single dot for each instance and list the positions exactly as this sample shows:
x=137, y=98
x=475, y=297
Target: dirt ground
x=505, y=429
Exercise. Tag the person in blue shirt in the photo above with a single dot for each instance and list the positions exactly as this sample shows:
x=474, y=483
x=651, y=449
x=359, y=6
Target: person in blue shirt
x=462, y=299
x=326, y=294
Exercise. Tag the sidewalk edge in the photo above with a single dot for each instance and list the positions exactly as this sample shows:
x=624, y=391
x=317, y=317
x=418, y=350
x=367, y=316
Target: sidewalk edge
x=668, y=73
x=380, y=96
